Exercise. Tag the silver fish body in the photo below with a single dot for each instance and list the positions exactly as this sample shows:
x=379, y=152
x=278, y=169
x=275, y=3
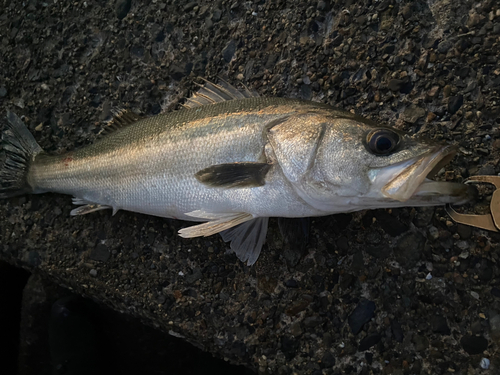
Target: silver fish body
x=150, y=167
x=235, y=163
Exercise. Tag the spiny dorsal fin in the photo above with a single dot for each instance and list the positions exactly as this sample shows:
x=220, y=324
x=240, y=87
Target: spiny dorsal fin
x=121, y=118
x=210, y=93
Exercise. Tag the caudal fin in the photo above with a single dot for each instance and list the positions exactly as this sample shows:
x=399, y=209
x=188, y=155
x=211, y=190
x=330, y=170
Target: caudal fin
x=20, y=149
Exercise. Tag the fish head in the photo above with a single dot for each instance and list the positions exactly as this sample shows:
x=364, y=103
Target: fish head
x=342, y=164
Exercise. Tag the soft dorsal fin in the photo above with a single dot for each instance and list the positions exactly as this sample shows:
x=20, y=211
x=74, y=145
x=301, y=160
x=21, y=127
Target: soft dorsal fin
x=121, y=118
x=210, y=93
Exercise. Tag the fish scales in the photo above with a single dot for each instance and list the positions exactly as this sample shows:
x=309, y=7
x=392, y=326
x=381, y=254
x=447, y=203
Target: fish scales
x=232, y=160
x=149, y=167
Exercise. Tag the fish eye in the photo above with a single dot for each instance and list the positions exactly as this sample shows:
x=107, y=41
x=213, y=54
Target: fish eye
x=382, y=141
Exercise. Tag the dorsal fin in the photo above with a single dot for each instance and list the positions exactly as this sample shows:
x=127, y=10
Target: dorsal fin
x=121, y=118
x=210, y=93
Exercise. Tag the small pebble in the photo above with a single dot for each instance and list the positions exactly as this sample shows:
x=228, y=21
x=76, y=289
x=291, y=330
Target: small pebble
x=464, y=254
x=474, y=344
x=361, y=314
x=433, y=232
x=485, y=363
x=433, y=91
x=93, y=272
x=122, y=8
x=455, y=103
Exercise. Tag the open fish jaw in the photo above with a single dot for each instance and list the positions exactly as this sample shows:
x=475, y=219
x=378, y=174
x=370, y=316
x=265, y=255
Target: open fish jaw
x=414, y=182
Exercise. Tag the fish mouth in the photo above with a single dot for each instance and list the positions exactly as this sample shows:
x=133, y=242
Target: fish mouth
x=411, y=180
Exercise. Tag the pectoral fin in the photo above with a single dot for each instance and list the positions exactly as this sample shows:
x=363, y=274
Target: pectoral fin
x=234, y=175
x=247, y=239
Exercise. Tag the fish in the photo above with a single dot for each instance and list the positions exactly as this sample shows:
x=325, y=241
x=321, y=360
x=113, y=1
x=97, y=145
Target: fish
x=230, y=160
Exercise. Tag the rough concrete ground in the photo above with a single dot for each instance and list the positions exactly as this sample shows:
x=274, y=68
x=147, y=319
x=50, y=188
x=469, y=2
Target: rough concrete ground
x=401, y=291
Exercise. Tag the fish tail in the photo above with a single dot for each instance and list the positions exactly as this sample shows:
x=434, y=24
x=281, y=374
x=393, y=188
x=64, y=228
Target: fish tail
x=19, y=149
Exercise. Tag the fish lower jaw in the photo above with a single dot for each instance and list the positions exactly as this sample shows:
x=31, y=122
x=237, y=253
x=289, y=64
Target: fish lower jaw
x=428, y=193
x=438, y=193
x=408, y=177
